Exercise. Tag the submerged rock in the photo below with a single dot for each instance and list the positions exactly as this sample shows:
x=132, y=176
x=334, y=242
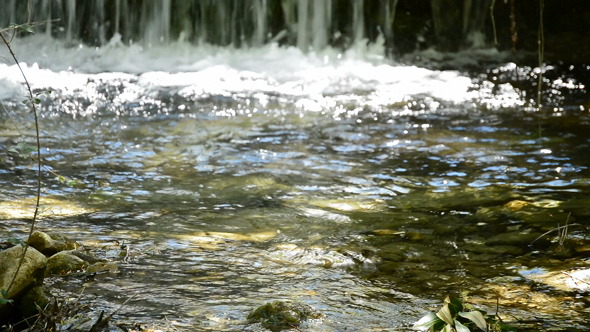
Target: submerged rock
x=518, y=238
x=292, y=254
x=282, y=315
x=58, y=207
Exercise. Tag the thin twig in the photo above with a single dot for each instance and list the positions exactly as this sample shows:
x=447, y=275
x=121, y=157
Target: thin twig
x=576, y=278
x=541, y=55
x=553, y=230
x=563, y=232
x=39, y=166
x=103, y=322
x=513, y=31
x=15, y=26
x=498, y=308
x=493, y=22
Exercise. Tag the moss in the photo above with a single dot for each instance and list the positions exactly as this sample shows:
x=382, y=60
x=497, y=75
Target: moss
x=280, y=315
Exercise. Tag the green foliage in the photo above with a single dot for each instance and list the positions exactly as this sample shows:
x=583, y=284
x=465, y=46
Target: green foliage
x=21, y=27
x=73, y=183
x=37, y=98
x=22, y=149
x=452, y=317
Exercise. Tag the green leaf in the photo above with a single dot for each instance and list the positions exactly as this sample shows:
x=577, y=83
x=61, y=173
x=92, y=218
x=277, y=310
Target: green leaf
x=448, y=328
x=22, y=149
x=455, y=305
x=445, y=314
x=476, y=317
x=427, y=322
x=460, y=327
x=27, y=28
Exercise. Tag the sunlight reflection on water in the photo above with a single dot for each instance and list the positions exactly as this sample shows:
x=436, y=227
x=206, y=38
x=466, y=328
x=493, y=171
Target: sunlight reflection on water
x=235, y=179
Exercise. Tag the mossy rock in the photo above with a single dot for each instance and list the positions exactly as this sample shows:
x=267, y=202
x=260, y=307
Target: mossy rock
x=282, y=315
x=63, y=263
x=51, y=244
x=29, y=274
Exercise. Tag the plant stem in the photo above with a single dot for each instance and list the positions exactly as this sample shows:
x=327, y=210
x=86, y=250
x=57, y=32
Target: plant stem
x=541, y=54
x=37, y=136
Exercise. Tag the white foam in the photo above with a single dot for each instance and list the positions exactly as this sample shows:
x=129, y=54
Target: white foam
x=322, y=78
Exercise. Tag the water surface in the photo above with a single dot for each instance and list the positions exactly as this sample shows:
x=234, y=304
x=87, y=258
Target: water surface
x=220, y=180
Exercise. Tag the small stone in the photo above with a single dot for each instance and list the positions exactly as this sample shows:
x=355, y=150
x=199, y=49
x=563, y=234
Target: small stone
x=516, y=205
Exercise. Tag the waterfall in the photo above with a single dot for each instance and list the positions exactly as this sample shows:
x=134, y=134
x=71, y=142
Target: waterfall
x=260, y=10
x=475, y=17
x=307, y=24
x=156, y=23
x=358, y=24
x=321, y=16
x=302, y=30
x=98, y=25
x=459, y=23
x=71, y=17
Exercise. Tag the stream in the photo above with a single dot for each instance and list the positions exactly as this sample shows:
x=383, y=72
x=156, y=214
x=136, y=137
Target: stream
x=220, y=179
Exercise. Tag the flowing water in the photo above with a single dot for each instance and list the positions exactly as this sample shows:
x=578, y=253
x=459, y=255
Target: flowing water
x=220, y=179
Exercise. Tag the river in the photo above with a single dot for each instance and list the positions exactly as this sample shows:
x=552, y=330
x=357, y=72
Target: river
x=219, y=179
